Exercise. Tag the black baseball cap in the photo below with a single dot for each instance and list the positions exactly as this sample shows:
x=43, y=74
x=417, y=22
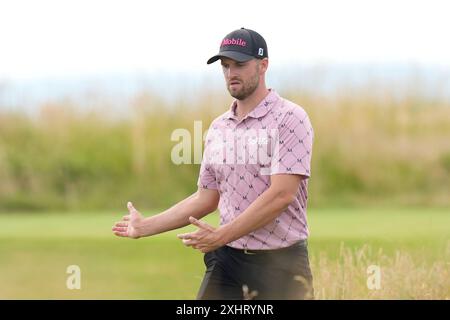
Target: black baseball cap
x=241, y=45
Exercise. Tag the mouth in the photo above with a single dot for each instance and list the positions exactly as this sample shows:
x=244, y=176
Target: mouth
x=234, y=83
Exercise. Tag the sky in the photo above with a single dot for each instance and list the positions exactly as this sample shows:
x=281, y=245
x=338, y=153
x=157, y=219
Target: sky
x=49, y=38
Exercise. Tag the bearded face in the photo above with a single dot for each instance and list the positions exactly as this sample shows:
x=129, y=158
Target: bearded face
x=242, y=78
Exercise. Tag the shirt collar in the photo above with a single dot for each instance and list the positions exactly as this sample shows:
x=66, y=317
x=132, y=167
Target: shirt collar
x=261, y=109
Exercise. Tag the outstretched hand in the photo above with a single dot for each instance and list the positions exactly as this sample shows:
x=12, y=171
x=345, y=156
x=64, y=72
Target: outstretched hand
x=129, y=225
x=205, y=239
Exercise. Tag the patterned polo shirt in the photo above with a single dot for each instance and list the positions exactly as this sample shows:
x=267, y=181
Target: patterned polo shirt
x=239, y=157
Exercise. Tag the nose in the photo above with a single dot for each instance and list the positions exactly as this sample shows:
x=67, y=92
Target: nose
x=230, y=72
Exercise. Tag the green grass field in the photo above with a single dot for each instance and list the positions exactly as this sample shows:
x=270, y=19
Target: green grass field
x=410, y=246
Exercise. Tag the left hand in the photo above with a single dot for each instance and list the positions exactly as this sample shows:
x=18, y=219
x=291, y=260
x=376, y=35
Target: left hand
x=205, y=239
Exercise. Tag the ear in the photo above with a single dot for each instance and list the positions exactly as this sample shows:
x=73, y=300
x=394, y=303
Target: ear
x=263, y=65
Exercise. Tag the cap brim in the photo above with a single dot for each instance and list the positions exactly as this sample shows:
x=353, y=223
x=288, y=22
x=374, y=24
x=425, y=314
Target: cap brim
x=234, y=55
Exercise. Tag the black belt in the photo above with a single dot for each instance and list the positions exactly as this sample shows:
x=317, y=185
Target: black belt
x=301, y=243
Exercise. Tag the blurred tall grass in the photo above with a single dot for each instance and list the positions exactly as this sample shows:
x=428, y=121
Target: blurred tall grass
x=372, y=147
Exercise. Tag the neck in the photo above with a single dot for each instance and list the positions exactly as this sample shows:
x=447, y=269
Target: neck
x=244, y=107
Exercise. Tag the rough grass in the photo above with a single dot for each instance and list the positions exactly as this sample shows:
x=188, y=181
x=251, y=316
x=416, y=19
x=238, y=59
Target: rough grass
x=372, y=146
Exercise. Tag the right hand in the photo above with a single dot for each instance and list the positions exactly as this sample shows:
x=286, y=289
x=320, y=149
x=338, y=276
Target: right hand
x=129, y=225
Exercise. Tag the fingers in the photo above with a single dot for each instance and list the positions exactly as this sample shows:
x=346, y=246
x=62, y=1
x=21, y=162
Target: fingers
x=131, y=208
x=193, y=244
x=191, y=240
x=121, y=233
x=200, y=247
x=119, y=228
x=188, y=239
x=197, y=239
x=200, y=224
x=121, y=224
x=185, y=236
x=188, y=242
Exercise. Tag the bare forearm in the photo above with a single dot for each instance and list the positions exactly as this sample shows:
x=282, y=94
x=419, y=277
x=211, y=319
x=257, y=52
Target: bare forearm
x=175, y=217
x=261, y=212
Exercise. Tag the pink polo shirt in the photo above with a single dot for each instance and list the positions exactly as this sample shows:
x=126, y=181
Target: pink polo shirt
x=240, y=156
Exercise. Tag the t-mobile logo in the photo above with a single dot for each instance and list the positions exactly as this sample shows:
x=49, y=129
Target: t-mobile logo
x=233, y=42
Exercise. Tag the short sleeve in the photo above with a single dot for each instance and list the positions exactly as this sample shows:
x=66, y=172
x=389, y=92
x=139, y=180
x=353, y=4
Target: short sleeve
x=294, y=147
x=207, y=178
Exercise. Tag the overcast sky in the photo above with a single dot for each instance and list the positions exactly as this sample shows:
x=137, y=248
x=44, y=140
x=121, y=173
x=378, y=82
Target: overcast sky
x=84, y=37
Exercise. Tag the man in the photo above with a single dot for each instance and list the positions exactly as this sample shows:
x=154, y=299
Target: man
x=255, y=168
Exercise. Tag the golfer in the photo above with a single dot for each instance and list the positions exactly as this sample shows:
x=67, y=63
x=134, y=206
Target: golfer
x=255, y=169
